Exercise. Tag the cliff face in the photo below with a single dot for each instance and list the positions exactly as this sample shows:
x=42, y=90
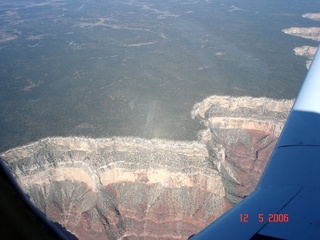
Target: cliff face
x=240, y=136
x=131, y=188
x=121, y=187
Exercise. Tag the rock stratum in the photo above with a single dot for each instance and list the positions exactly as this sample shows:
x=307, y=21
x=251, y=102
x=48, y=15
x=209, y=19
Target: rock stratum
x=240, y=136
x=131, y=188
x=120, y=188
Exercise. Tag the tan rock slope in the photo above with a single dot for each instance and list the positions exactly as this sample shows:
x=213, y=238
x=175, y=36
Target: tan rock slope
x=131, y=188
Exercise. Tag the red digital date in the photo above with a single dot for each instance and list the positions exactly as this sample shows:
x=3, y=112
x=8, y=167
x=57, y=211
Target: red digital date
x=275, y=217
x=278, y=217
x=244, y=217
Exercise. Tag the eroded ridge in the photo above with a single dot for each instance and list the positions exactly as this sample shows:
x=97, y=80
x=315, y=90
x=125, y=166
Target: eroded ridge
x=113, y=188
x=240, y=135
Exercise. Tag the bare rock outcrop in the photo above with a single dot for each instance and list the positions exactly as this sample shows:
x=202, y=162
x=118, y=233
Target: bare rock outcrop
x=120, y=188
x=306, y=51
x=309, y=32
x=313, y=16
x=240, y=136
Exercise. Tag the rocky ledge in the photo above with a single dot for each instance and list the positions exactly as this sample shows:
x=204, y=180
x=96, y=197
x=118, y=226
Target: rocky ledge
x=240, y=136
x=131, y=188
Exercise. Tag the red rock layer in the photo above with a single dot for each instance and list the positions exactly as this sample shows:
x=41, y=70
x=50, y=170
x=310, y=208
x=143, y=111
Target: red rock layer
x=121, y=188
x=240, y=136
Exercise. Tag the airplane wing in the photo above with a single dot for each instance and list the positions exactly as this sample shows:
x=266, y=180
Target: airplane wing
x=284, y=204
x=19, y=218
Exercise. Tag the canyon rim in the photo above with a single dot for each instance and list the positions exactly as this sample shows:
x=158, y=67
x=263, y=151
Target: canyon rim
x=133, y=188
